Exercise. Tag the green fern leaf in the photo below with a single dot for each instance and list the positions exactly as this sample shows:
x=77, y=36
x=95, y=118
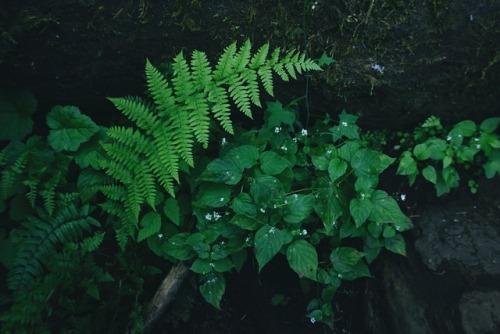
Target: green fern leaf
x=220, y=109
x=160, y=91
x=266, y=76
x=259, y=58
x=225, y=65
x=43, y=234
x=242, y=58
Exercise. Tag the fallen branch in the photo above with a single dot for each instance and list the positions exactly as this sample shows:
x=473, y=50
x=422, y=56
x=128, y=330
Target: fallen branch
x=165, y=295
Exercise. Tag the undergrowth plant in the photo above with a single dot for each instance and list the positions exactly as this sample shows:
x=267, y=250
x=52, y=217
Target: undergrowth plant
x=86, y=208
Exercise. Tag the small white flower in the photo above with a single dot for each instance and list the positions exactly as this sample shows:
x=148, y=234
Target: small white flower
x=262, y=210
x=247, y=239
x=272, y=230
x=313, y=320
x=478, y=146
x=448, y=138
x=277, y=129
x=344, y=123
x=303, y=133
x=294, y=140
x=379, y=68
x=222, y=199
x=304, y=232
x=208, y=216
x=160, y=235
x=216, y=216
x=224, y=141
x=403, y=197
x=284, y=148
x=212, y=264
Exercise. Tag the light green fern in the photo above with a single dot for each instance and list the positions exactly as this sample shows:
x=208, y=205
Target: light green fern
x=179, y=115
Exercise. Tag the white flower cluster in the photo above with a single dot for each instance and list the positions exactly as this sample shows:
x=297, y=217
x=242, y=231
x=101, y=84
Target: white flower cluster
x=303, y=133
x=277, y=129
x=214, y=216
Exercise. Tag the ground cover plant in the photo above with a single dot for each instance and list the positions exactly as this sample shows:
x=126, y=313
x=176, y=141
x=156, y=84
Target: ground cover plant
x=91, y=214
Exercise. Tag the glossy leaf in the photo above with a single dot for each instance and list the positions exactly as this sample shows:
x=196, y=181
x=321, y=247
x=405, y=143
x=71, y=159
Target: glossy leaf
x=272, y=163
x=150, y=225
x=298, y=208
x=213, y=288
x=344, y=259
x=360, y=209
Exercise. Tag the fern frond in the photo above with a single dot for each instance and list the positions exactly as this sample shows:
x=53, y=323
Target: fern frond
x=220, y=108
x=160, y=91
x=239, y=93
x=137, y=111
x=242, y=58
x=49, y=192
x=43, y=234
x=225, y=66
x=266, y=76
x=202, y=71
x=200, y=120
x=91, y=244
x=259, y=58
x=145, y=182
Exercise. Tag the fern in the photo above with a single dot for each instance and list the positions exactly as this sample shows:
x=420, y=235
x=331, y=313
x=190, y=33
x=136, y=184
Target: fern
x=43, y=233
x=179, y=116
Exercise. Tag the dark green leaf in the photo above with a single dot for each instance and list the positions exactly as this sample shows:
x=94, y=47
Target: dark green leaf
x=360, y=209
x=344, y=259
x=213, y=195
x=268, y=242
x=303, y=259
x=243, y=204
x=69, y=128
x=386, y=210
x=298, y=208
x=213, y=288
x=245, y=155
x=172, y=211
x=272, y=163
x=396, y=244
x=225, y=170
x=150, y=224
x=489, y=125
x=336, y=168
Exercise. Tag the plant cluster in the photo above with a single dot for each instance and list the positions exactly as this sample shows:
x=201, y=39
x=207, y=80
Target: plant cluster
x=87, y=207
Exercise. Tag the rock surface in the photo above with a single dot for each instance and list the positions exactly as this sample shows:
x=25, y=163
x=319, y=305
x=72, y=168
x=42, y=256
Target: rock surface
x=450, y=281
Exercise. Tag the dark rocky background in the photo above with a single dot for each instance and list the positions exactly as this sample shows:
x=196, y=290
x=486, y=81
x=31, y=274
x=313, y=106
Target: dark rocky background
x=397, y=62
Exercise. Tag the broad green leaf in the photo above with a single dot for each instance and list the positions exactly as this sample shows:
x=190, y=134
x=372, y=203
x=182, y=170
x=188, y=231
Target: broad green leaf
x=360, y=269
x=177, y=248
x=268, y=241
x=437, y=148
x=321, y=162
x=172, y=211
x=265, y=190
x=150, y=224
x=447, y=160
x=421, y=151
x=396, y=244
x=277, y=115
x=336, y=168
x=69, y=128
x=223, y=265
x=389, y=232
x=245, y=155
x=346, y=128
x=245, y=222
x=344, y=259
x=450, y=177
x=386, y=210
x=272, y=163
x=492, y=166
x=375, y=229
x=370, y=162
x=348, y=149
x=329, y=210
x=407, y=165
x=226, y=170
x=303, y=259
x=213, y=195
x=489, y=125
x=213, y=288
x=430, y=174
x=202, y=266
x=243, y=205
x=298, y=208
x=467, y=128
x=360, y=209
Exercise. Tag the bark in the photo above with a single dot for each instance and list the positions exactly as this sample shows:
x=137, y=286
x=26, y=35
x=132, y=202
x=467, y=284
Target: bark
x=165, y=295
